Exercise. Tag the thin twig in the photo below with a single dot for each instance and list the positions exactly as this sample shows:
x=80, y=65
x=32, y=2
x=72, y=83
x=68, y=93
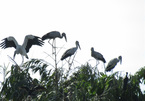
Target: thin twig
x=49, y=55
x=60, y=48
x=12, y=60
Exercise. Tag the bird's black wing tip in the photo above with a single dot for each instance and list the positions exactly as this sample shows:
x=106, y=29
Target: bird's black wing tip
x=2, y=45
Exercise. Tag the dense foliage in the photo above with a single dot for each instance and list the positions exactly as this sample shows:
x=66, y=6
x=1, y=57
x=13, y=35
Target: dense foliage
x=85, y=84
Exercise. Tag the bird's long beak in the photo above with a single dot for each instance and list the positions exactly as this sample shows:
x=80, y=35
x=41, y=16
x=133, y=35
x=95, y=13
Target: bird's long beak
x=121, y=61
x=79, y=46
x=14, y=55
x=65, y=38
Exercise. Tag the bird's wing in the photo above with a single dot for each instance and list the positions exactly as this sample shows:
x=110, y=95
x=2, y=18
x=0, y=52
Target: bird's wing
x=46, y=36
x=99, y=56
x=31, y=40
x=68, y=53
x=112, y=63
x=51, y=35
x=9, y=42
x=65, y=54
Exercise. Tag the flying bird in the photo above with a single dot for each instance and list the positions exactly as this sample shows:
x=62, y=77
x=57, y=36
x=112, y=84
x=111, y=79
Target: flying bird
x=53, y=35
x=97, y=55
x=113, y=63
x=24, y=48
x=70, y=51
x=125, y=81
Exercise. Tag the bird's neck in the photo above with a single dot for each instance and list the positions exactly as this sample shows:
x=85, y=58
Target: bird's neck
x=61, y=36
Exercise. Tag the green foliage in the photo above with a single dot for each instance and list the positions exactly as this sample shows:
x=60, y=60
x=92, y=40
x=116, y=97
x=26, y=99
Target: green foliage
x=83, y=85
x=11, y=87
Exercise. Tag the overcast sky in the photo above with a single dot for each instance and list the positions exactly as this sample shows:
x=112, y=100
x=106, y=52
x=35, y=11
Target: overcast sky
x=112, y=27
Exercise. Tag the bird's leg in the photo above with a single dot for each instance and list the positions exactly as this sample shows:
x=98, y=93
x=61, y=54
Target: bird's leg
x=69, y=64
x=104, y=69
x=54, y=46
x=73, y=59
x=68, y=61
x=97, y=63
x=55, y=53
x=22, y=60
x=49, y=42
x=51, y=45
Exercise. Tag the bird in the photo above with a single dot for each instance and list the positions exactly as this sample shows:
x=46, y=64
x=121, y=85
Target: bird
x=70, y=51
x=112, y=63
x=21, y=49
x=53, y=35
x=125, y=81
x=97, y=55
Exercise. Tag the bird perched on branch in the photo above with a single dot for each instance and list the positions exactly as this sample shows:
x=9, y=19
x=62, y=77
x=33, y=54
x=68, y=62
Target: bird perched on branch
x=97, y=55
x=125, y=81
x=53, y=35
x=24, y=48
x=70, y=51
x=112, y=63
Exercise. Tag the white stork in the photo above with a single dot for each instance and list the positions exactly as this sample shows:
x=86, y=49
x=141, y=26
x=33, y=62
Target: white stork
x=113, y=63
x=97, y=55
x=70, y=51
x=21, y=49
